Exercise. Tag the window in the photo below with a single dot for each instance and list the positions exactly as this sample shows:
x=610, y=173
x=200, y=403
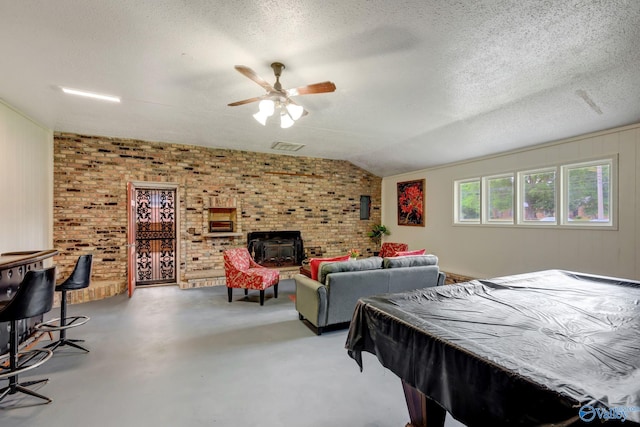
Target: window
x=537, y=197
x=499, y=198
x=587, y=195
x=467, y=201
x=570, y=195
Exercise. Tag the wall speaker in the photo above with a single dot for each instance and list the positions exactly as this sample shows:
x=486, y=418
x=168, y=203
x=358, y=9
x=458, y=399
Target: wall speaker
x=365, y=207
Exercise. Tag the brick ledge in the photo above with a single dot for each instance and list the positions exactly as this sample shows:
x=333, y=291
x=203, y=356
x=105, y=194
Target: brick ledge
x=214, y=277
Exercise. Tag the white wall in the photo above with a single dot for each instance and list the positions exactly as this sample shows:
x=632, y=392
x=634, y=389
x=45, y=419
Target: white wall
x=26, y=183
x=490, y=251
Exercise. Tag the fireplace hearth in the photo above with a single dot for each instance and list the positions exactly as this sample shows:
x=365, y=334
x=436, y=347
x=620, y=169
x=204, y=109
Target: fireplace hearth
x=276, y=248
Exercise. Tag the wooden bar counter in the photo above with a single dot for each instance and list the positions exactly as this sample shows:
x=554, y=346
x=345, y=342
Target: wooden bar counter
x=13, y=267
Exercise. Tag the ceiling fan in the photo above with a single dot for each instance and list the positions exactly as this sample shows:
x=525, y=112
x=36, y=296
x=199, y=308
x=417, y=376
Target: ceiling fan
x=279, y=98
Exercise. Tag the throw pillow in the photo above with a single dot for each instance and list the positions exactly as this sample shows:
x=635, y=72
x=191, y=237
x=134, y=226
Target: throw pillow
x=410, y=253
x=314, y=263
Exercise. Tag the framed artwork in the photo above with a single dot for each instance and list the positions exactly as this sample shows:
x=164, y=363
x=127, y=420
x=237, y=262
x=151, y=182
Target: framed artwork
x=411, y=206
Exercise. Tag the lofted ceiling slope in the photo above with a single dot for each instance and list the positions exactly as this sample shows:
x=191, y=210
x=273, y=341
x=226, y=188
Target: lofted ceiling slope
x=419, y=82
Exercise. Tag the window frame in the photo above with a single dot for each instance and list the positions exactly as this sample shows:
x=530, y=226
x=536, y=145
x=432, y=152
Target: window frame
x=561, y=195
x=486, y=201
x=458, y=204
x=613, y=189
x=520, y=197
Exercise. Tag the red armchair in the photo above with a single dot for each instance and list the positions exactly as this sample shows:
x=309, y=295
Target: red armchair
x=241, y=271
x=389, y=249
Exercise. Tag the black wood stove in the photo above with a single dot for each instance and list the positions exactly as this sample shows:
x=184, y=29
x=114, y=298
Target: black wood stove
x=276, y=248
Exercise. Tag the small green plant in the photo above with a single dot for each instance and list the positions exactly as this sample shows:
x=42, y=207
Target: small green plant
x=376, y=233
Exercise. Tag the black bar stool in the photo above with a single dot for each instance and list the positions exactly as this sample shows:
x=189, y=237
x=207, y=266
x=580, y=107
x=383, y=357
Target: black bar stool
x=79, y=279
x=33, y=298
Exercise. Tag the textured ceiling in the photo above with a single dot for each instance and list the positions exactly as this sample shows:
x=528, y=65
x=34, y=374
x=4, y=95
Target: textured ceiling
x=419, y=82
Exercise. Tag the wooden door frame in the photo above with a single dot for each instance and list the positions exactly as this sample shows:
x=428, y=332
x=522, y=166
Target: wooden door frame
x=132, y=186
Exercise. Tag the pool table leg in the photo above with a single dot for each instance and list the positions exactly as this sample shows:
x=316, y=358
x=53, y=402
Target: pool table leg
x=423, y=412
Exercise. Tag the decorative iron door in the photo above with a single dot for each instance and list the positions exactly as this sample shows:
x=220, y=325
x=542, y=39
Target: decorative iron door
x=155, y=236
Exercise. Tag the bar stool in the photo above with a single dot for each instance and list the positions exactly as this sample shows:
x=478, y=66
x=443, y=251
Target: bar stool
x=33, y=298
x=79, y=279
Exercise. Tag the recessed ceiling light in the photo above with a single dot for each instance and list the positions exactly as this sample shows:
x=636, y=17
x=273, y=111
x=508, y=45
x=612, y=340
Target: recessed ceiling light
x=286, y=146
x=90, y=94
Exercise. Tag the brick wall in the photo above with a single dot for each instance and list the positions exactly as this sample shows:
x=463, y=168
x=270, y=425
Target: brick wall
x=319, y=197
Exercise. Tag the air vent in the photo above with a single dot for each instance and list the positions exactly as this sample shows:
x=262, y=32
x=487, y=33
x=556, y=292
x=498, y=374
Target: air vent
x=286, y=146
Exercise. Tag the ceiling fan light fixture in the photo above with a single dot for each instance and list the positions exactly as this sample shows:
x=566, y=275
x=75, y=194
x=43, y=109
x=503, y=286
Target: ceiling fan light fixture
x=261, y=118
x=277, y=98
x=295, y=110
x=267, y=107
x=285, y=120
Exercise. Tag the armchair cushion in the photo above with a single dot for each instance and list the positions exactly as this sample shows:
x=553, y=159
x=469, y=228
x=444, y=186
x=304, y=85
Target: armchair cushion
x=314, y=264
x=241, y=262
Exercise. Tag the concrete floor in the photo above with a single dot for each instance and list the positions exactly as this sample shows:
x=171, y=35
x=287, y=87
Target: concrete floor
x=171, y=357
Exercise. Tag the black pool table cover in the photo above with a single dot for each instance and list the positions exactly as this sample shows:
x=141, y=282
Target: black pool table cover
x=527, y=349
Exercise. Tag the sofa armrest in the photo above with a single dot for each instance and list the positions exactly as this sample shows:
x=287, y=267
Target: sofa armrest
x=441, y=278
x=311, y=300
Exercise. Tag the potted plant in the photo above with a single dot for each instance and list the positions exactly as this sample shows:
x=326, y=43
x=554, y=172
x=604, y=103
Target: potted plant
x=376, y=233
x=354, y=253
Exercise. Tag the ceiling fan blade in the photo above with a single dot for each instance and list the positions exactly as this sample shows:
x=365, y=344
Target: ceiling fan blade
x=248, y=72
x=311, y=89
x=245, y=101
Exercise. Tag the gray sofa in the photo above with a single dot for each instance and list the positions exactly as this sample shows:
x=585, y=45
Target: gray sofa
x=332, y=298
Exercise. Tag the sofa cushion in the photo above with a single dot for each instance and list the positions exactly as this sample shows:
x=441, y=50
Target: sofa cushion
x=371, y=263
x=314, y=263
x=409, y=253
x=409, y=261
